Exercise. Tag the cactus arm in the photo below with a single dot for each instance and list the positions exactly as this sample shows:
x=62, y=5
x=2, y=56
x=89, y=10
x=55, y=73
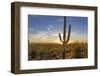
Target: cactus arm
x=64, y=32
x=69, y=30
x=60, y=37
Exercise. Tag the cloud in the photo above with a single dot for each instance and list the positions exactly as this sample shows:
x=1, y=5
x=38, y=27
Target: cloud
x=52, y=37
x=50, y=27
x=43, y=37
x=31, y=29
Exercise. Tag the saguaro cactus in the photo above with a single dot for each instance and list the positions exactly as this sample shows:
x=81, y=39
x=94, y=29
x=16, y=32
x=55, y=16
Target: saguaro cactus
x=64, y=40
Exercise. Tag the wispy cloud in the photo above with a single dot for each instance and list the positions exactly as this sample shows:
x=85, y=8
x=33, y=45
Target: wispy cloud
x=31, y=29
x=51, y=37
x=50, y=27
x=44, y=37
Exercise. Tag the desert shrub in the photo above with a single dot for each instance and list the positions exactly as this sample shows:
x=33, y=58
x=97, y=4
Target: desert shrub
x=47, y=51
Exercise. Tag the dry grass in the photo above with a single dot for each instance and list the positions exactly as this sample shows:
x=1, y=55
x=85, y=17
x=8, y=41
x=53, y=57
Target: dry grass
x=49, y=51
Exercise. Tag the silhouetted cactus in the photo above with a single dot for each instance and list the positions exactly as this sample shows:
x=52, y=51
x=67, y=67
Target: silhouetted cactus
x=64, y=40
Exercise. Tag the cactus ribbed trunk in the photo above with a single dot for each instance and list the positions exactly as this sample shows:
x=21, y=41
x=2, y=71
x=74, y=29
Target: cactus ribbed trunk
x=65, y=41
x=64, y=32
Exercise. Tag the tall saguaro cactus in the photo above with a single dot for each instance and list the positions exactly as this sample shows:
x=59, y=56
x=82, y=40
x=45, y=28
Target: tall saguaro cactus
x=64, y=40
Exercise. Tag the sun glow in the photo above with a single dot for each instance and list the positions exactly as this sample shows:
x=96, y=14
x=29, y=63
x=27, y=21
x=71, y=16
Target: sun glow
x=54, y=40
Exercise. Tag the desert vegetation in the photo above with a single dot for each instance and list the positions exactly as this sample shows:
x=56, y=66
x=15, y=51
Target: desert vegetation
x=50, y=51
x=65, y=50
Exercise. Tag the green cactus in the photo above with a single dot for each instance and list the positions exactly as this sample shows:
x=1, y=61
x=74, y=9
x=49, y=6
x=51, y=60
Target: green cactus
x=64, y=40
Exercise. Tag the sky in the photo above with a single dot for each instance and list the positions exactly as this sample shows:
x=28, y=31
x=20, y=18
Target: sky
x=45, y=29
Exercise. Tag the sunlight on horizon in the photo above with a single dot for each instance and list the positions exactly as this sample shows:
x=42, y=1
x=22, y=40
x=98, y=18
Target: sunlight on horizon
x=59, y=42
x=46, y=29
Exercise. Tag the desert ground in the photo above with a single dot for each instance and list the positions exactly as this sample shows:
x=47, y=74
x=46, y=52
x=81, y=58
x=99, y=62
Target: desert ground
x=51, y=51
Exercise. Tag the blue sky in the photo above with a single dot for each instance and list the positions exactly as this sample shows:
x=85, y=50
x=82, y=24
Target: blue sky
x=46, y=28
